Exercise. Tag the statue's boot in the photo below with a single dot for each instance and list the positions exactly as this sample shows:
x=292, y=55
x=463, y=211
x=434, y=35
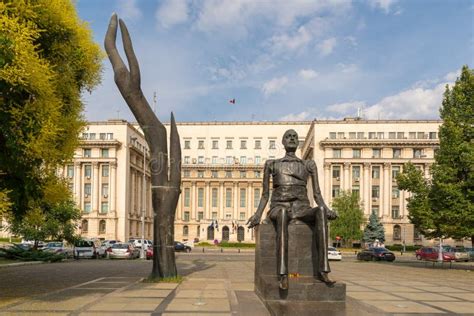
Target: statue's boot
x=324, y=277
x=284, y=282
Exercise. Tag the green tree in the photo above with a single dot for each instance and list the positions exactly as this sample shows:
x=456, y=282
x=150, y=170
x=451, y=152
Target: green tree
x=47, y=60
x=444, y=205
x=351, y=217
x=374, y=229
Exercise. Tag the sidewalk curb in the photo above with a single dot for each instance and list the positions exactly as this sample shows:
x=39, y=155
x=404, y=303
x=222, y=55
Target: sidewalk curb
x=19, y=264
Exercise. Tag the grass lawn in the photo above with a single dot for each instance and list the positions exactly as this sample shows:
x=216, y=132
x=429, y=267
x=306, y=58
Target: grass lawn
x=7, y=261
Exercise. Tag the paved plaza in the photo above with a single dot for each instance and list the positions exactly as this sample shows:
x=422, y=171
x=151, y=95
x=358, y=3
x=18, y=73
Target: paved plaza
x=221, y=284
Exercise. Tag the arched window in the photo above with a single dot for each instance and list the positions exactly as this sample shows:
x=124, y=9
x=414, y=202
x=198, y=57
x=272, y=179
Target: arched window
x=210, y=233
x=102, y=226
x=225, y=233
x=84, y=226
x=397, y=232
x=416, y=234
x=185, y=230
x=240, y=233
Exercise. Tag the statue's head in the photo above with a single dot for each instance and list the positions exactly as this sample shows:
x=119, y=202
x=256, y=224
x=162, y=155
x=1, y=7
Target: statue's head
x=290, y=140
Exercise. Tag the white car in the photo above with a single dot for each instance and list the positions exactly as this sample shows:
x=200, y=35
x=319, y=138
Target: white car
x=334, y=254
x=137, y=243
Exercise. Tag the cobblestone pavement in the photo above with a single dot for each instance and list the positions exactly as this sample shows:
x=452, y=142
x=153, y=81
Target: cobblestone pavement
x=221, y=284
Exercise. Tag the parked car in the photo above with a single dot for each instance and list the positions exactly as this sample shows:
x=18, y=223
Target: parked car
x=376, y=254
x=334, y=254
x=470, y=251
x=123, y=251
x=460, y=254
x=149, y=253
x=431, y=253
x=137, y=243
x=60, y=248
x=179, y=246
x=86, y=249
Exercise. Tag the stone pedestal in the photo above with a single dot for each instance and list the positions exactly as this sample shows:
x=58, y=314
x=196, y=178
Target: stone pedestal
x=306, y=295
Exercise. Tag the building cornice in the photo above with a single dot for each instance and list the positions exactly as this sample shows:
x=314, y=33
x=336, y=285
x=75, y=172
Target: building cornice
x=100, y=143
x=359, y=143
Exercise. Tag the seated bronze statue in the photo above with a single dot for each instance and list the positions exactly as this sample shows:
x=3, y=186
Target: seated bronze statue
x=290, y=202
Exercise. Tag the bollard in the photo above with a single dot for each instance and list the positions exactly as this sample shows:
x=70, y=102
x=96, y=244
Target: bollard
x=239, y=250
x=203, y=249
x=222, y=250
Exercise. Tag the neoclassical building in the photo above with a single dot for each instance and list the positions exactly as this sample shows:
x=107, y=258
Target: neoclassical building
x=222, y=172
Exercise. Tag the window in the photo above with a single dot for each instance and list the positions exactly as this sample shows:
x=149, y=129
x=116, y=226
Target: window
x=87, y=152
x=258, y=160
x=214, y=174
x=356, y=190
x=400, y=135
x=376, y=172
x=372, y=135
x=340, y=135
x=187, y=144
x=258, y=144
x=335, y=191
x=243, y=174
x=355, y=153
x=227, y=216
x=256, y=197
x=397, y=232
x=88, y=171
x=417, y=152
x=228, y=144
x=352, y=135
x=214, y=160
x=375, y=191
x=356, y=173
x=92, y=136
x=229, y=160
x=416, y=234
x=397, y=152
x=87, y=189
x=105, y=170
x=228, y=174
x=395, y=193
x=200, y=160
x=70, y=171
x=200, y=174
x=242, y=216
x=105, y=190
x=215, y=144
x=104, y=207
x=185, y=230
x=336, y=171
x=214, y=197
x=200, y=197
x=258, y=174
x=332, y=135
x=104, y=153
x=395, y=211
x=420, y=135
x=243, y=144
x=271, y=144
x=243, y=160
x=375, y=209
x=392, y=135
x=200, y=216
x=186, y=216
x=102, y=227
x=110, y=135
x=102, y=136
x=411, y=135
x=360, y=135
x=201, y=144
x=187, y=159
x=380, y=135
x=84, y=226
x=87, y=207
x=187, y=197
x=214, y=215
x=186, y=173
x=336, y=153
x=228, y=197
x=433, y=135
x=395, y=172
x=243, y=197
x=376, y=152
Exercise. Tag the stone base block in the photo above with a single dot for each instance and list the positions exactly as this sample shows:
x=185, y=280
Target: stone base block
x=291, y=308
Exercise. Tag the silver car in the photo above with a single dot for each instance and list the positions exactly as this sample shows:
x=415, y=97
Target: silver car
x=59, y=248
x=123, y=251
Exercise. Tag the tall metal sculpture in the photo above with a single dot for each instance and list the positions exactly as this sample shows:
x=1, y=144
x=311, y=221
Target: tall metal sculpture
x=165, y=180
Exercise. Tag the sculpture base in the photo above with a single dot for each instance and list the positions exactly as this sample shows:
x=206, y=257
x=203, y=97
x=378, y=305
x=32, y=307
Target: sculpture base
x=306, y=295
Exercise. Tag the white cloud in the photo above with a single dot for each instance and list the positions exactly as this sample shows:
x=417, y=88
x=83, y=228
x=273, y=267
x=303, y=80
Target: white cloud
x=285, y=42
x=327, y=46
x=128, y=10
x=172, y=12
x=303, y=116
x=274, y=85
x=347, y=68
x=384, y=5
x=347, y=108
x=452, y=76
x=308, y=74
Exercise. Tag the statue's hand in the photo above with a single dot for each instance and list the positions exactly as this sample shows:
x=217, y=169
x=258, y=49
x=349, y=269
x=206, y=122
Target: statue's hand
x=331, y=214
x=253, y=221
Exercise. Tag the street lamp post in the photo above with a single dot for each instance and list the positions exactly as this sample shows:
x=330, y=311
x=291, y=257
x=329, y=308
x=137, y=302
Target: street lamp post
x=142, y=250
x=440, y=253
x=404, y=238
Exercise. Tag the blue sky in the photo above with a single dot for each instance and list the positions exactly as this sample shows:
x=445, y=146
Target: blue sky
x=287, y=60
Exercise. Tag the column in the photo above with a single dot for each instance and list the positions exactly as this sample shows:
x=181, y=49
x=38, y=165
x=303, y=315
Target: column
x=132, y=191
x=236, y=205
x=207, y=213
x=95, y=188
x=77, y=183
x=386, y=189
x=326, y=182
x=113, y=187
x=193, y=201
x=366, y=189
x=346, y=181
x=250, y=210
x=427, y=171
x=220, y=213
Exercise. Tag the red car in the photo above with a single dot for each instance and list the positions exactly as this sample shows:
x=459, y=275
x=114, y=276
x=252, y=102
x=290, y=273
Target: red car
x=430, y=253
x=149, y=253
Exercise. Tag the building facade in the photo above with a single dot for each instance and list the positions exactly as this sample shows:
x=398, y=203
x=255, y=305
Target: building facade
x=222, y=170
